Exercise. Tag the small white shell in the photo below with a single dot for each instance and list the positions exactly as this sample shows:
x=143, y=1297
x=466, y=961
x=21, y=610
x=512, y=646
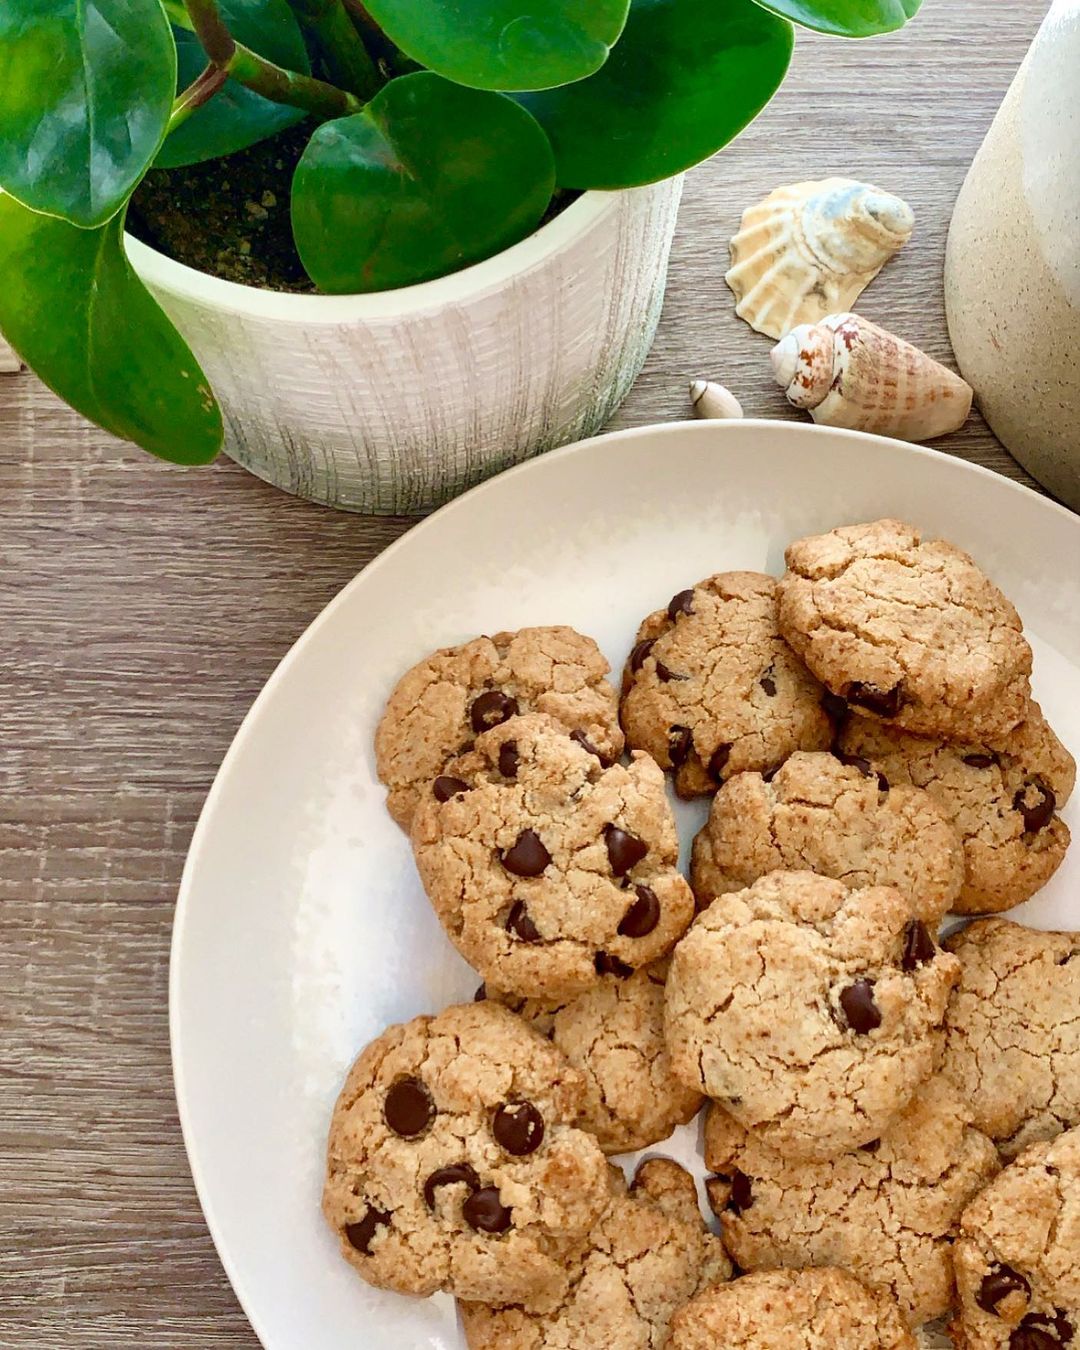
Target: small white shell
x=713, y=400
x=848, y=372
x=9, y=362
x=811, y=249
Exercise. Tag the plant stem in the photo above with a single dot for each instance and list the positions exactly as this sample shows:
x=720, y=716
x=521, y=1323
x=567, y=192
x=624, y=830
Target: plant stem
x=262, y=76
x=347, y=59
x=200, y=91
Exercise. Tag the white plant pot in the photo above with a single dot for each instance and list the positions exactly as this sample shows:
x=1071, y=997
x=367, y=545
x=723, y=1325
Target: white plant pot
x=396, y=401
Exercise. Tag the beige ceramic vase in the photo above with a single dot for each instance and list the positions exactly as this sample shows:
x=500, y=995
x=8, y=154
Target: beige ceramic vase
x=1012, y=268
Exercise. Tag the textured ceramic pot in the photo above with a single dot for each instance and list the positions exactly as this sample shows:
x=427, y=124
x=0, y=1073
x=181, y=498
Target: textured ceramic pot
x=1012, y=270
x=396, y=401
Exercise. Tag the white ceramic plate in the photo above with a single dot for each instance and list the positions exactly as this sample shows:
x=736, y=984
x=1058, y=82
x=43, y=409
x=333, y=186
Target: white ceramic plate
x=301, y=930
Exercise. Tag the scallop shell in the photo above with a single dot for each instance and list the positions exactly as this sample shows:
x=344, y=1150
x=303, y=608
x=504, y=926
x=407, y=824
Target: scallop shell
x=714, y=401
x=847, y=372
x=811, y=249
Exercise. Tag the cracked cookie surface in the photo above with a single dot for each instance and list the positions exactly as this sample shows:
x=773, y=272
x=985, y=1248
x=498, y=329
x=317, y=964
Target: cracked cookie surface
x=810, y=1010
x=1001, y=795
x=454, y=1163
x=1018, y=1254
x=1012, y=1031
x=445, y=701
x=841, y=820
x=711, y=688
x=906, y=629
x=887, y=1213
x=547, y=870
x=649, y=1253
x=614, y=1034
x=815, y=1309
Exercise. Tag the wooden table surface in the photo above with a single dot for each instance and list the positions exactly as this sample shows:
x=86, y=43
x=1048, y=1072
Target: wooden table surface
x=142, y=608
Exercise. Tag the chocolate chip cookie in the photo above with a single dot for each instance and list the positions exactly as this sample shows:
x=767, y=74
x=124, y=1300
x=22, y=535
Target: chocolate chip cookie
x=908, y=630
x=711, y=688
x=792, y=1310
x=839, y=819
x=1018, y=1255
x=454, y=1163
x=811, y=1011
x=614, y=1034
x=1001, y=795
x=442, y=704
x=1012, y=1031
x=887, y=1212
x=547, y=869
x=649, y=1253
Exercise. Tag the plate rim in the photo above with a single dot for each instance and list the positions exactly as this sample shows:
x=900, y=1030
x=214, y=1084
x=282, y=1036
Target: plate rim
x=538, y=464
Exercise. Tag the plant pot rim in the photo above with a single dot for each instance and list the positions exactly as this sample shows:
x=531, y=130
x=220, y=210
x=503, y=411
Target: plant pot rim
x=164, y=273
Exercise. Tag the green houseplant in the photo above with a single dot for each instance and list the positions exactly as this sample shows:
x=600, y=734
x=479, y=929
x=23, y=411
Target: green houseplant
x=439, y=131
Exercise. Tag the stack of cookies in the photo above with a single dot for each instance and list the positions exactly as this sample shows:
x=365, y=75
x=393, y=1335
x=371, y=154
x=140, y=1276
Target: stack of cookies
x=865, y=731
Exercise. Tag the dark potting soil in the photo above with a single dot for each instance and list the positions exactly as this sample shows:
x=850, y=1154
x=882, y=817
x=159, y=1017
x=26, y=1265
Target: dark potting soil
x=230, y=217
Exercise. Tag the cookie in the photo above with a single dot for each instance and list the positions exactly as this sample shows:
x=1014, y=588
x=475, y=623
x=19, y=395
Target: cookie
x=454, y=1163
x=614, y=1034
x=1001, y=796
x=1018, y=1255
x=548, y=870
x=887, y=1212
x=711, y=689
x=906, y=629
x=1012, y=1033
x=840, y=820
x=442, y=704
x=649, y=1253
x=811, y=1011
x=792, y=1310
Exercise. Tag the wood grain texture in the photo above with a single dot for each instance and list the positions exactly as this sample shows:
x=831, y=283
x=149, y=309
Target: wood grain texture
x=144, y=606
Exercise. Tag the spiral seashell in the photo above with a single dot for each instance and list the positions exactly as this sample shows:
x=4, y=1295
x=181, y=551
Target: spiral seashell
x=714, y=401
x=811, y=249
x=847, y=372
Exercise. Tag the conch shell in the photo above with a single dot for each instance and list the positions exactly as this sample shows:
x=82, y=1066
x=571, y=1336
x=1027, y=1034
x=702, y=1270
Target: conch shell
x=848, y=372
x=713, y=400
x=811, y=249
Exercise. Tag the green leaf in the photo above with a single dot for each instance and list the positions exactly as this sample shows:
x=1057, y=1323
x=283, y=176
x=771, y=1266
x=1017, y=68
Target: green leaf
x=504, y=44
x=686, y=77
x=236, y=117
x=428, y=178
x=86, y=88
x=846, y=18
x=73, y=308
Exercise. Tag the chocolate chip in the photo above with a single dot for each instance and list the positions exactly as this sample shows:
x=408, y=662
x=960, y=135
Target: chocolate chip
x=445, y=787
x=883, y=702
x=768, y=684
x=680, y=743
x=484, y=1212
x=519, y=923
x=589, y=748
x=481, y=994
x=491, y=709
x=836, y=709
x=408, y=1108
x=718, y=762
x=642, y=916
x=359, y=1234
x=640, y=652
x=527, y=857
x=998, y=1285
x=1039, y=815
x=683, y=603
x=518, y=1127
x=860, y=1010
x=606, y=964
x=981, y=761
x=1042, y=1331
x=919, y=946
x=508, y=759
x=665, y=675
x=864, y=767
x=742, y=1193
x=871, y=1147
x=453, y=1175
x=624, y=850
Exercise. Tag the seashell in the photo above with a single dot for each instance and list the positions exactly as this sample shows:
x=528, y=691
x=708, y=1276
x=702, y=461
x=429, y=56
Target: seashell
x=848, y=372
x=9, y=362
x=713, y=400
x=811, y=249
